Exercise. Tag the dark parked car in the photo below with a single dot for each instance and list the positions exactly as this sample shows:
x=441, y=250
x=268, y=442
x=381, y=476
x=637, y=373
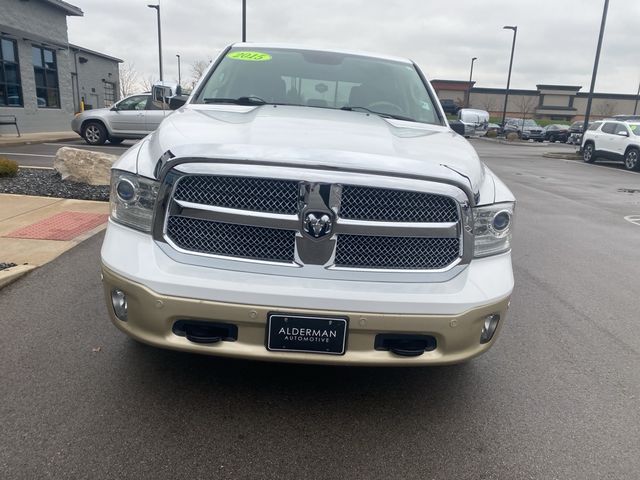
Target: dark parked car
x=525, y=128
x=556, y=132
x=449, y=106
x=627, y=118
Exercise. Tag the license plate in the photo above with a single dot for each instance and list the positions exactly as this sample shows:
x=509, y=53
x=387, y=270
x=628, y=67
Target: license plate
x=295, y=333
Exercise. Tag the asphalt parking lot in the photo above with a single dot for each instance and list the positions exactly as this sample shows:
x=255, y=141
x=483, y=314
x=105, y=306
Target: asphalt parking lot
x=42, y=154
x=556, y=398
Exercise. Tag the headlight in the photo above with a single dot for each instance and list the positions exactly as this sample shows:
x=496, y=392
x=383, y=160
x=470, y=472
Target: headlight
x=132, y=199
x=492, y=227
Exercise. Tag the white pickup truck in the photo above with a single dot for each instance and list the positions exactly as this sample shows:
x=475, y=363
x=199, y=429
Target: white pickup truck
x=309, y=206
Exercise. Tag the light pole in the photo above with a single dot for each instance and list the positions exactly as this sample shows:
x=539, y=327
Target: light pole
x=595, y=66
x=468, y=102
x=244, y=20
x=506, y=95
x=179, y=79
x=157, y=7
x=635, y=108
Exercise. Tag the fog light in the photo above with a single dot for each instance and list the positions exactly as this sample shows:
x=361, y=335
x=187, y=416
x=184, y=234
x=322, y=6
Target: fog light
x=119, y=302
x=489, y=327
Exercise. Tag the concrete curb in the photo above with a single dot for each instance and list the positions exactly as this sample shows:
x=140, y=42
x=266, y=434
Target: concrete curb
x=26, y=141
x=562, y=155
x=514, y=144
x=10, y=275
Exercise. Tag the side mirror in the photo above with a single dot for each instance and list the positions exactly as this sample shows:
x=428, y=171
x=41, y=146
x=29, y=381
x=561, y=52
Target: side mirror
x=623, y=133
x=177, y=101
x=457, y=126
x=114, y=108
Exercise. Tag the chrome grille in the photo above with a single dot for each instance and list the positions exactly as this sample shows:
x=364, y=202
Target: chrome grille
x=381, y=204
x=375, y=223
x=243, y=193
x=363, y=251
x=227, y=239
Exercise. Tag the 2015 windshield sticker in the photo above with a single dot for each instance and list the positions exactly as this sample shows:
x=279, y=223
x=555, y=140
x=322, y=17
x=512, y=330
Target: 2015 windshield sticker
x=250, y=56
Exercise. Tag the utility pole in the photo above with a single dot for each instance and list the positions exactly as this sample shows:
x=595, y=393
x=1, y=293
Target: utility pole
x=244, y=20
x=595, y=66
x=506, y=95
x=635, y=108
x=157, y=8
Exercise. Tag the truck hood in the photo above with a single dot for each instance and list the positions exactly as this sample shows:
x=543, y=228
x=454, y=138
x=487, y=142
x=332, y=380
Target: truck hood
x=318, y=137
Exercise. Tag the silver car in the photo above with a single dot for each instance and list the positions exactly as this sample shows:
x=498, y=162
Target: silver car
x=132, y=117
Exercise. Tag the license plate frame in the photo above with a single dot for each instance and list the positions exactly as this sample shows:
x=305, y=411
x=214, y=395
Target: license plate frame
x=306, y=334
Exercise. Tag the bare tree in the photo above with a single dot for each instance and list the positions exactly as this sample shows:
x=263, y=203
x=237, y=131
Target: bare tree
x=606, y=109
x=489, y=103
x=147, y=83
x=526, y=105
x=128, y=79
x=197, y=70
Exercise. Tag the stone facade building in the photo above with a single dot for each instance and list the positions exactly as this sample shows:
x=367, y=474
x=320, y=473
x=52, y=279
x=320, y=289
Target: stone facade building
x=42, y=77
x=554, y=102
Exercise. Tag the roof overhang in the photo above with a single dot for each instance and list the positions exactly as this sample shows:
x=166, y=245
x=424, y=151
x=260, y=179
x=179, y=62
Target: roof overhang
x=70, y=10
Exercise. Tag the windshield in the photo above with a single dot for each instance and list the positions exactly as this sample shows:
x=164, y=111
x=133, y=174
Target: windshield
x=320, y=79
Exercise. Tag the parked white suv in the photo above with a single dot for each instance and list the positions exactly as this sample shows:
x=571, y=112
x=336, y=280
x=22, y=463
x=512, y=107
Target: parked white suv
x=613, y=140
x=309, y=206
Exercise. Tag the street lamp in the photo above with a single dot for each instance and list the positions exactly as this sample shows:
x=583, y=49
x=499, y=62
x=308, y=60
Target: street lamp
x=506, y=95
x=179, y=82
x=635, y=108
x=157, y=7
x=470, y=77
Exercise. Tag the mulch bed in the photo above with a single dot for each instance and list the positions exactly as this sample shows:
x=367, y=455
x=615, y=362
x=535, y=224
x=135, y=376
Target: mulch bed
x=48, y=183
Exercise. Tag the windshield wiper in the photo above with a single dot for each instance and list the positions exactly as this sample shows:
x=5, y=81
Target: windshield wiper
x=381, y=114
x=250, y=100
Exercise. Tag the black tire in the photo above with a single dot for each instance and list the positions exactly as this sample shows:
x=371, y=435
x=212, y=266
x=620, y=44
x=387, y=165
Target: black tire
x=94, y=133
x=552, y=139
x=632, y=159
x=588, y=153
x=115, y=140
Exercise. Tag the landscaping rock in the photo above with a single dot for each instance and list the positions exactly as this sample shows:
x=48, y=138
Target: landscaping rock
x=84, y=166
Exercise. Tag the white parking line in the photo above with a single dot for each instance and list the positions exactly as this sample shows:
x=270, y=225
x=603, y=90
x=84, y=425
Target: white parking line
x=27, y=154
x=635, y=219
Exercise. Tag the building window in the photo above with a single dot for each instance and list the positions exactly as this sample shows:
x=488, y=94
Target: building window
x=109, y=93
x=10, y=85
x=45, y=68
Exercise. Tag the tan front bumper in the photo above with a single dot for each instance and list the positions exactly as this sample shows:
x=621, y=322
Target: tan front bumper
x=151, y=317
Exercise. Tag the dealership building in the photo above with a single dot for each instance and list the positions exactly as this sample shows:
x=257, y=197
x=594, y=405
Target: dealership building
x=43, y=78
x=554, y=102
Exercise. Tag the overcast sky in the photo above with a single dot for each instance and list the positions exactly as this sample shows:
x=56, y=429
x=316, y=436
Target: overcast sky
x=556, y=39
